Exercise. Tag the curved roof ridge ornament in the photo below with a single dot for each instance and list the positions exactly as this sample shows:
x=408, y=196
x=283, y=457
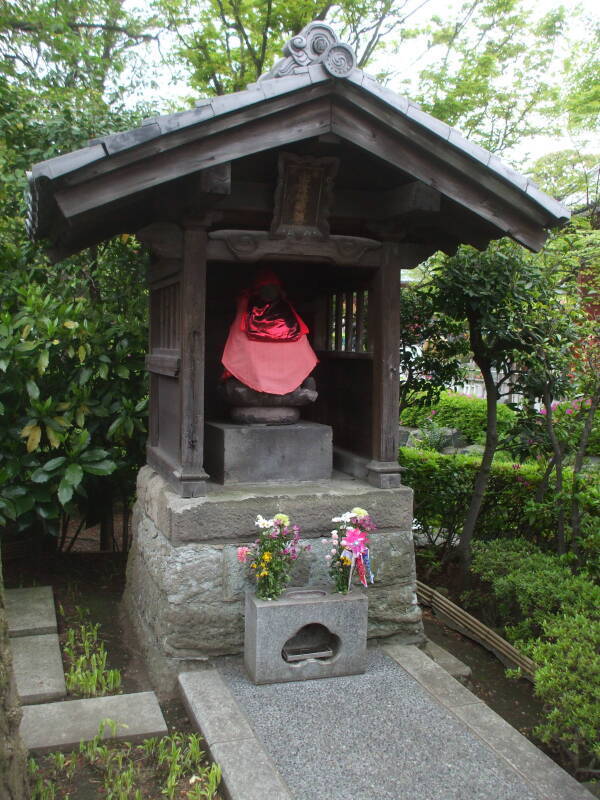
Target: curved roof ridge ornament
x=317, y=43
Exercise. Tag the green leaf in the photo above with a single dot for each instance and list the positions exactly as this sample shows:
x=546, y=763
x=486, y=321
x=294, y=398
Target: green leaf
x=24, y=504
x=25, y=347
x=42, y=362
x=40, y=476
x=32, y=389
x=73, y=474
x=114, y=427
x=95, y=454
x=100, y=467
x=47, y=512
x=4, y=362
x=122, y=371
x=84, y=375
x=65, y=492
x=54, y=463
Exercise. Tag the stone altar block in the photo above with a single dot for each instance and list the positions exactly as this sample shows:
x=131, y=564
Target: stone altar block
x=305, y=634
x=185, y=589
x=301, y=451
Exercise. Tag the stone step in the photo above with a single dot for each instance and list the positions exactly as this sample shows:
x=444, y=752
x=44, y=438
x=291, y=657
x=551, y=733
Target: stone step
x=449, y=662
x=30, y=611
x=248, y=770
x=63, y=725
x=38, y=668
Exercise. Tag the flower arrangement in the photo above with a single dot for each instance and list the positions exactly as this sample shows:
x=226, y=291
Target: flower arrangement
x=272, y=554
x=349, y=549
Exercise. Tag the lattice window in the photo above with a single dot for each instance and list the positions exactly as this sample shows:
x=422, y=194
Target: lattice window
x=347, y=322
x=166, y=317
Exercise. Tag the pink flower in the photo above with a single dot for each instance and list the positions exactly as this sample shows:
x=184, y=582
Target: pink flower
x=333, y=551
x=543, y=411
x=242, y=554
x=569, y=411
x=356, y=540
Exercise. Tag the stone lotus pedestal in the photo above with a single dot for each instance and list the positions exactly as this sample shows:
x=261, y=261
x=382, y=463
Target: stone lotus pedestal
x=304, y=634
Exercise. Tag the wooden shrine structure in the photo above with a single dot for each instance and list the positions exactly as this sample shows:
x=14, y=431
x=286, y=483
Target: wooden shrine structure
x=323, y=174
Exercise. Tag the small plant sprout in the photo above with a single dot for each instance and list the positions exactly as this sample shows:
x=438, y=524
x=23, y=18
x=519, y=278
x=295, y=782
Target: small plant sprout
x=170, y=767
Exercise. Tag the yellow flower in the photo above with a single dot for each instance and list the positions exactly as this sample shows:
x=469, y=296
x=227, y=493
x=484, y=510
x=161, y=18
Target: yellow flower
x=253, y=566
x=345, y=561
x=263, y=573
x=359, y=512
x=267, y=556
x=283, y=518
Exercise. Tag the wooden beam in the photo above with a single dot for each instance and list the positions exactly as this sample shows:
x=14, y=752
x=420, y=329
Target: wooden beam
x=163, y=364
x=252, y=246
x=214, y=126
x=384, y=335
x=437, y=146
x=191, y=379
x=299, y=123
x=165, y=239
x=474, y=191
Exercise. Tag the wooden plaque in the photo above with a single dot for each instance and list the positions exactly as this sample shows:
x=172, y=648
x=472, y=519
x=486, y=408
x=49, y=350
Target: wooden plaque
x=303, y=196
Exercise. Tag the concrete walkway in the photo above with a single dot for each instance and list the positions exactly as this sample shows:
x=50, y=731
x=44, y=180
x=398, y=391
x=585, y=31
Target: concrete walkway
x=406, y=730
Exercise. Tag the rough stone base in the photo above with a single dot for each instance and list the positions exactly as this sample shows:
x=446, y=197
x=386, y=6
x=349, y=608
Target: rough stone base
x=185, y=588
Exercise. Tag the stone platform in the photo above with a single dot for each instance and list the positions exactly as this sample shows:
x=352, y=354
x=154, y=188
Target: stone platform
x=405, y=730
x=298, y=452
x=185, y=588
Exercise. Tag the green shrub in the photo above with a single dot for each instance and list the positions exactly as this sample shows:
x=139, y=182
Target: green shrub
x=531, y=586
x=552, y=615
x=568, y=682
x=443, y=486
x=454, y=410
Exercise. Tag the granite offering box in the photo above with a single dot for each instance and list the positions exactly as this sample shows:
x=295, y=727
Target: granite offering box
x=305, y=634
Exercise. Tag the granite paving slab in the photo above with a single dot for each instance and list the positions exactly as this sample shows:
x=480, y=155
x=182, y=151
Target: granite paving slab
x=378, y=735
x=30, y=611
x=454, y=666
x=38, y=668
x=248, y=770
x=61, y=726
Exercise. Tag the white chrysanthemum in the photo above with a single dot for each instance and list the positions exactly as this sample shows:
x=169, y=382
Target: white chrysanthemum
x=263, y=523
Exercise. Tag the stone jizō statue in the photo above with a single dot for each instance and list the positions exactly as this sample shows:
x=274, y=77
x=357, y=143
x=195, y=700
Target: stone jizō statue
x=267, y=357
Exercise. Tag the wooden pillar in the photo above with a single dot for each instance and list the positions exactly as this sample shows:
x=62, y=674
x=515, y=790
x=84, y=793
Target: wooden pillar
x=193, y=307
x=384, y=331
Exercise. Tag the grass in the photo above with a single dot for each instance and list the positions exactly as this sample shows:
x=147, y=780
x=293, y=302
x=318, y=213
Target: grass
x=173, y=767
x=86, y=673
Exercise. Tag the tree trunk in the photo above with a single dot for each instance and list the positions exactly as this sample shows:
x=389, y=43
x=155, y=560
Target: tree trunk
x=463, y=549
x=107, y=529
x=577, y=466
x=13, y=756
x=561, y=545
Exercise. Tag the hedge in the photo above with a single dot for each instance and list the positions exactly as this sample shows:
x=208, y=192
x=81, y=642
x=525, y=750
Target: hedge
x=468, y=414
x=443, y=487
x=552, y=615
